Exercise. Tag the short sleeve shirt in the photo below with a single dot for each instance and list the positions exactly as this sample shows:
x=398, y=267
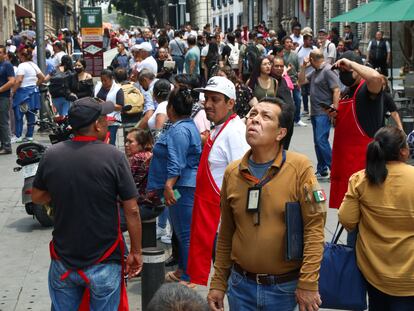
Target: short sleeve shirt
x=85, y=180
x=322, y=83
x=193, y=54
x=6, y=72
x=29, y=70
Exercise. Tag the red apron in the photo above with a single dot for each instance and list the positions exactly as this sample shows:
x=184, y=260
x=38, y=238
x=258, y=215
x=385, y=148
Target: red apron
x=349, y=149
x=205, y=218
x=84, y=305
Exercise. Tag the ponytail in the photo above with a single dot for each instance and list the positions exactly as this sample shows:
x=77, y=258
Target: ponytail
x=375, y=170
x=386, y=146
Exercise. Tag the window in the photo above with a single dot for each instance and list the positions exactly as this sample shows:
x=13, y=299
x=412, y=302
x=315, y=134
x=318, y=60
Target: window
x=226, y=23
x=231, y=19
x=213, y=4
x=239, y=19
x=224, y=2
x=220, y=22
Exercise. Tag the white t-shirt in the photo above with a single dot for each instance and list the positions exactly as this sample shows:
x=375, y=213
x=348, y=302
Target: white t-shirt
x=30, y=71
x=304, y=52
x=204, y=51
x=191, y=33
x=298, y=40
x=58, y=58
x=329, y=51
x=161, y=108
x=149, y=63
x=229, y=146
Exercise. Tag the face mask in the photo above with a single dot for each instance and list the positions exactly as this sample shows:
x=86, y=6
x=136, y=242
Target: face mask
x=78, y=70
x=346, y=78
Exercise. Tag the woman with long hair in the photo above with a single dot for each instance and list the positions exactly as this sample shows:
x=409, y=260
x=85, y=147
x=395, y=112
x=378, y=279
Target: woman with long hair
x=261, y=82
x=211, y=60
x=26, y=98
x=83, y=81
x=380, y=204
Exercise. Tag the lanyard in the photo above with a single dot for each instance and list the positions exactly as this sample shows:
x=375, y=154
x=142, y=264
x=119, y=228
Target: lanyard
x=84, y=138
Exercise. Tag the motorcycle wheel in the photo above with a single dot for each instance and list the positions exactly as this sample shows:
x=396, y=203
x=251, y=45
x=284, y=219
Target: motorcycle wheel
x=29, y=208
x=41, y=213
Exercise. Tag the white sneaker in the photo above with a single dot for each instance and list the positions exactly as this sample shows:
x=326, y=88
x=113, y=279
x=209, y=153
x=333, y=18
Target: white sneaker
x=28, y=139
x=161, y=232
x=301, y=123
x=16, y=140
x=166, y=239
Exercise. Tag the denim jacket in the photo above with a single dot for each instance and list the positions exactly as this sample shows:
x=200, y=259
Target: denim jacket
x=176, y=153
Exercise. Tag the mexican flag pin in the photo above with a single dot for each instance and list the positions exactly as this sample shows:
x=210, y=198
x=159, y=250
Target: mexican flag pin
x=319, y=195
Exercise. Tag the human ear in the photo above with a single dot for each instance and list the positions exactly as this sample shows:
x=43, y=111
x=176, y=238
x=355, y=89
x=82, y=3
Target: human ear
x=282, y=133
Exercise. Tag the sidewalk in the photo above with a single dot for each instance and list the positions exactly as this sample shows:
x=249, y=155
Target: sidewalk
x=24, y=243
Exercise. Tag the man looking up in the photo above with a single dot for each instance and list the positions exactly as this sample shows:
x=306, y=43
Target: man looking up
x=226, y=143
x=251, y=262
x=87, y=248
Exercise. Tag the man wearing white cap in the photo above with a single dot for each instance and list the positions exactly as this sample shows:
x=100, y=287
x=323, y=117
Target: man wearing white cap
x=226, y=144
x=149, y=62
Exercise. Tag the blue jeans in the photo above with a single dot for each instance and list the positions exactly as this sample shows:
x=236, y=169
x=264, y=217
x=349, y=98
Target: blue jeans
x=18, y=119
x=321, y=126
x=297, y=98
x=113, y=129
x=180, y=217
x=62, y=105
x=163, y=218
x=179, y=63
x=245, y=295
x=305, y=96
x=105, y=287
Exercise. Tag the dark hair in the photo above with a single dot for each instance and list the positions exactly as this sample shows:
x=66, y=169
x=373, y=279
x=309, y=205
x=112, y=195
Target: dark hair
x=231, y=38
x=256, y=71
x=83, y=62
x=107, y=73
x=48, y=54
x=286, y=38
x=143, y=137
x=277, y=49
x=67, y=63
x=181, y=100
x=120, y=74
x=191, y=40
x=162, y=89
x=177, y=33
x=27, y=51
x=386, y=146
x=252, y=35
x=13, y=59
x=230, y=74
x=177, y=297
x=286, y=114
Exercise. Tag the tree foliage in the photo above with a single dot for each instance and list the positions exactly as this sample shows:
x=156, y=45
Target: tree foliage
x=151, y=8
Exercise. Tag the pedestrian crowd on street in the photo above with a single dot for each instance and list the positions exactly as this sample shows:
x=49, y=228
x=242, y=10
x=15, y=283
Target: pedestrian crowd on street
x=211, y=117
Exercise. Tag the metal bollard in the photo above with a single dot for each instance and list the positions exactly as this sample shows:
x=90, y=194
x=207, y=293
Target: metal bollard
x=149, y=233
x=408, y=123
x=152, y=275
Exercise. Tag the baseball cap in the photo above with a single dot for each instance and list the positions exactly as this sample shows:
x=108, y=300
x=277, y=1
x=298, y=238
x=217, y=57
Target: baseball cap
x=8, y=42
x=259, y=35
x=87, y=110
x=220, y=85
x=352, y=56
x=146, y=46
x=323, y=30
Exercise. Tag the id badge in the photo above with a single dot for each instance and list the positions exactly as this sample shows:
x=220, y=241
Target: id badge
x=253, y=199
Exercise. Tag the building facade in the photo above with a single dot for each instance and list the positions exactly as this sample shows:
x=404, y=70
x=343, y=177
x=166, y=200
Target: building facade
x=7, y=19
x=226, y=13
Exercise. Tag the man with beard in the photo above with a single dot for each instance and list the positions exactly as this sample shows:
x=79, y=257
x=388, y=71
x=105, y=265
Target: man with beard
x=357, y=119
x=226, y=144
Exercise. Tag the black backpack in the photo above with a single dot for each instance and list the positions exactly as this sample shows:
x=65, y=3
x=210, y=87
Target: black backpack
x=60, y=84
x=251, y=55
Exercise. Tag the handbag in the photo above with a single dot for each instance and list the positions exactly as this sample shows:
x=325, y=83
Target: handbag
x=341, y=284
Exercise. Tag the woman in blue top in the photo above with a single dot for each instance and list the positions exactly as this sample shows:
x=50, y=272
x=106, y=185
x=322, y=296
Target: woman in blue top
x=173, y=167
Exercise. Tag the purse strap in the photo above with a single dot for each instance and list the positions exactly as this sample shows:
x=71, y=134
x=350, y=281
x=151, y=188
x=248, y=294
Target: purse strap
x=337, y=234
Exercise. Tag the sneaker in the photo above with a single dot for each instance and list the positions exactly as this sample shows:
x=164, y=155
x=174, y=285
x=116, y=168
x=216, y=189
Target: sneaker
x=161, y=232
x=301, y=123
x=322, y=176
x=28, y=139
x=305, y=113
x=5, y=151
x=16, y=140
x=166, y=239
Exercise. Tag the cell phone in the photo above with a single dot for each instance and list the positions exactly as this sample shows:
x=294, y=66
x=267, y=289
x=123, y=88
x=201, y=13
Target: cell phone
x=177, y=196
x=328, y=107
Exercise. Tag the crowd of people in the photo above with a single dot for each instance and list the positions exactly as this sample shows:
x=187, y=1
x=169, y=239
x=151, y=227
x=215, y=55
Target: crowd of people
x=213, y=114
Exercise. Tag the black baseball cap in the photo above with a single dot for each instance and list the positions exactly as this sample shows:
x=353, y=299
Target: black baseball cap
x=352, y=56
x=87, y=110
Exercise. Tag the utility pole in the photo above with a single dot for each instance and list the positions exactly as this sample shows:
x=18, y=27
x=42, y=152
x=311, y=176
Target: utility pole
x=75, y=16
x=40, y=34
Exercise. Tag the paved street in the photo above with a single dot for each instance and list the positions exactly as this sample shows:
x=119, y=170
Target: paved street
x=24, y=249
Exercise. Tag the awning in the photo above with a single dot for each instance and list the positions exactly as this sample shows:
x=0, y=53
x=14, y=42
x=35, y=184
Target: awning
x=22, y=12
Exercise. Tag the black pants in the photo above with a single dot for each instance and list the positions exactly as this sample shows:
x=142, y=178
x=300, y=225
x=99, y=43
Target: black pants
x=379, y=301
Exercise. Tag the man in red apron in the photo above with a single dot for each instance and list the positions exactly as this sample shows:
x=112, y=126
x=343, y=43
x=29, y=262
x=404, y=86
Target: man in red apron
x=84, y=178
x=357, y=119
x=226, y=143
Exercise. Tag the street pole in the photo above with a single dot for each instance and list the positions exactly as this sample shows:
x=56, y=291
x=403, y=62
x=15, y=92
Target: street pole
x=176, y=17
x=75, y=16
x=65, y=12
x=40, y=34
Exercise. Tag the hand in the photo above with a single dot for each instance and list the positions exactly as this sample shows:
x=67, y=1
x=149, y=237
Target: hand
x=169, y=196
x=344, y=64
x=306, y=62
x=308, y=300
x=133, y=264
x=215, y=299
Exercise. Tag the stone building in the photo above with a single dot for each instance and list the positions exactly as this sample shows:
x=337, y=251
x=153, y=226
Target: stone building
x=7, y=19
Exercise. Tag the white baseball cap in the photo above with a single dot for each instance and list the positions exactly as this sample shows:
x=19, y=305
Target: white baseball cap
x=220, y=85
x=146, y=46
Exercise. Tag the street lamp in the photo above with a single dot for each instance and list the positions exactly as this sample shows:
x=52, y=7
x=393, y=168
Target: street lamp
x=176, y=13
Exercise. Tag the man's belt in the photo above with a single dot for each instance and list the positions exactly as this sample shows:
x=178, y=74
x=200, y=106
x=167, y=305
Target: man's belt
x=267, y=279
